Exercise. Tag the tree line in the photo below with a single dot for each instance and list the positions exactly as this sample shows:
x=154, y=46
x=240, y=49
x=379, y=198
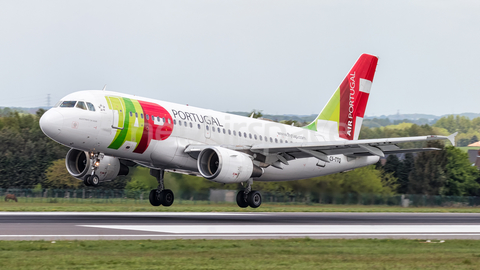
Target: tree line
x=25, y=152
x=30, y=159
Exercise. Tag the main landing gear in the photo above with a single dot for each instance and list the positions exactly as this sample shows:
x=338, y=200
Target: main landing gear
x=160, y=196
x=93, y=179
x=249, y=197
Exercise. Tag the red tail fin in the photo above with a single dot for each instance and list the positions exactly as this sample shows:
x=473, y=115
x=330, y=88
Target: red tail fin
x=354, y=93
x=347, y=105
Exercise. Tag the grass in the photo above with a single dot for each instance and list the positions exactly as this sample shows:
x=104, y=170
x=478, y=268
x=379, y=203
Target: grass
x=192, y=206
x=241, y=254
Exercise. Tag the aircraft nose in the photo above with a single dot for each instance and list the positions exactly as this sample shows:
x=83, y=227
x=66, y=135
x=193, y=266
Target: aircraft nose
x=51, y=123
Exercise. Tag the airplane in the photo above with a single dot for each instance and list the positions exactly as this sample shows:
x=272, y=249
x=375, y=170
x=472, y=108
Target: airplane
x=109, y=131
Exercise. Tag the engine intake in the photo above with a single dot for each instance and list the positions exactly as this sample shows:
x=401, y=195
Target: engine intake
x=78, y=165
x=226, y=166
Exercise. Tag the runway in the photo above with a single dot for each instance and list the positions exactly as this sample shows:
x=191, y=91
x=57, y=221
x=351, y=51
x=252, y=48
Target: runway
x=175, y=225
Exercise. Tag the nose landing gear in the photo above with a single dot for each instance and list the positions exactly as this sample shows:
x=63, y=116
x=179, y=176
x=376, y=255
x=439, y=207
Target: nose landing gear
x=93, y=179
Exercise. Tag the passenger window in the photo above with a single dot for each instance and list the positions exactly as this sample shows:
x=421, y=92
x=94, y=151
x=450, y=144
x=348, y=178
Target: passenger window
x=81, y=105
x=276, y=141
x=68, y=104
x=146, y=116
x=141, y=115
x=244, y=134
x=169, y=121
x=90, y=107
x=206, y=127
x=179, y=122
x=260, y=137
x=158, y=119
x=255, y=136
x=281, y=141
x=218, y=129
x=213, y=129
x=271, y=139
x=250, y=135
x=198, y=126
x=223, y=131
x=191, y=125
x=234, y=133
x=131, y=114
x=136, y=115
x=229, y=132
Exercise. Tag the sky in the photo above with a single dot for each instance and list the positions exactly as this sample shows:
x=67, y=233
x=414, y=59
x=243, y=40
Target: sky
x=281, y=57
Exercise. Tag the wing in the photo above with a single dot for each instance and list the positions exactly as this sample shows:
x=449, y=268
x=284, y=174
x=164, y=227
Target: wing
x=272, y=154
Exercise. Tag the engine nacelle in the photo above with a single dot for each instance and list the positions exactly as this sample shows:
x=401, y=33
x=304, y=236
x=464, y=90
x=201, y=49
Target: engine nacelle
x=79, y=165
x=226, y=166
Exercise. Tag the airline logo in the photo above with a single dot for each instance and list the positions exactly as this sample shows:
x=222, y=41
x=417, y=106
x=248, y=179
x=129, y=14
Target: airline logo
x=138, y=122
x=193, y=117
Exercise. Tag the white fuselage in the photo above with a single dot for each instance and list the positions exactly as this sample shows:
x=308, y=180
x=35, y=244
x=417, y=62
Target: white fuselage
x=149, y=139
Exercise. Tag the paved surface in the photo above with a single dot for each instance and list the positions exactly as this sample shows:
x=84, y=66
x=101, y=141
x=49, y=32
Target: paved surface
x=113, y=226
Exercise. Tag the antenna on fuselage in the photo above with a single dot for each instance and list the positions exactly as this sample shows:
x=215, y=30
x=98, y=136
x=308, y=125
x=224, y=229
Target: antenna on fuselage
x=104, y=88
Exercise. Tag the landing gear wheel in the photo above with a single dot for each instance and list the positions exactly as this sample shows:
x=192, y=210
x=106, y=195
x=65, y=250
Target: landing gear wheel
x=166, y=197
x=86, y=180
x=94, y=180
x=154, y=200
x=241, y=201
x=254, y=199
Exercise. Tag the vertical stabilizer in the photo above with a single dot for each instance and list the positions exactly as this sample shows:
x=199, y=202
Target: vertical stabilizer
x=343, y=114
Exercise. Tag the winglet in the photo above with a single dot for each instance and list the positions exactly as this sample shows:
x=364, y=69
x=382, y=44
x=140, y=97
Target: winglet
x=451, y=138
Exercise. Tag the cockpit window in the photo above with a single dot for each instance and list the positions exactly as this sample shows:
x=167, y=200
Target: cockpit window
x=90, y=107
x=68, y=104
x=58, y=104
x=81, y=105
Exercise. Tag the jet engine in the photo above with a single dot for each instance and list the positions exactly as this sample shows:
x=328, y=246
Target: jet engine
x=79, y=165
x=226, y=166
